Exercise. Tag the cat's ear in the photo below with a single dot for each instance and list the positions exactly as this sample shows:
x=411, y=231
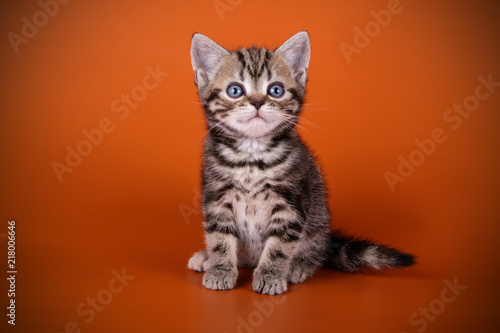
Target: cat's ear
x=297, y=51
x=205, y=57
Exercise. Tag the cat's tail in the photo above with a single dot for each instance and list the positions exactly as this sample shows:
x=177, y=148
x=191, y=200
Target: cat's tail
x=350, y=254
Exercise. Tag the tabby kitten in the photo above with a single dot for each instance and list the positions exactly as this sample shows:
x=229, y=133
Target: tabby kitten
x=264, y=197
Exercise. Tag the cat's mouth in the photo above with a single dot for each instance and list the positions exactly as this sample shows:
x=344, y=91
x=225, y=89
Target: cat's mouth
x=257, y=117
x=256, y=124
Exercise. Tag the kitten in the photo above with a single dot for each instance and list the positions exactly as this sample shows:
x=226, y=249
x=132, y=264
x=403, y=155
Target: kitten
x=264, y=197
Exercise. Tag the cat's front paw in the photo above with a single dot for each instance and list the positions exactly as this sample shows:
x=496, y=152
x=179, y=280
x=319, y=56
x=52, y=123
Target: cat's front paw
x=217, y=279
x=268, y=284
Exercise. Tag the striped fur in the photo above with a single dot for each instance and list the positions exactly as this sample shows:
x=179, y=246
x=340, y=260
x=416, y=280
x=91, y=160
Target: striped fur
x=264, y=198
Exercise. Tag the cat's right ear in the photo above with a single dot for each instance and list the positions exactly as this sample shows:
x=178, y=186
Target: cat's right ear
x=205, y=57
x=297, y=51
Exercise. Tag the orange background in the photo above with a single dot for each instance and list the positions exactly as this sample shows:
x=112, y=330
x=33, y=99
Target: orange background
x=122, y=206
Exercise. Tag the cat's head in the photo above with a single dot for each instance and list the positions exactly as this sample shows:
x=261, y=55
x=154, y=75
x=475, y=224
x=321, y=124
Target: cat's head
x=251, y=92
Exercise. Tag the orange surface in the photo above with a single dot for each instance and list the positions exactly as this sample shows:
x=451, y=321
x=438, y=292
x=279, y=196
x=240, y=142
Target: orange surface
x=131, y=203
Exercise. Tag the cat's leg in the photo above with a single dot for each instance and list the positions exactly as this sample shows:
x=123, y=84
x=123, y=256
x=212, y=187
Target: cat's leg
x=198, y=261
x=300, y=270
x=221, y=271
x=221, y=235
x=270, y=275
x=309, y=255
x=285, y=227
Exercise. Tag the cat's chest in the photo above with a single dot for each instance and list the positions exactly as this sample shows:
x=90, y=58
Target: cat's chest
x=249, y=179
x=252, y=209
x=252, y=172
x=252, y=200
x=253, y=164
x=252, y=213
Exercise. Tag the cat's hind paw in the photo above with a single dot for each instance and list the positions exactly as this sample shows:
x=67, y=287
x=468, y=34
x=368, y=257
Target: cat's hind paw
x=198, y=261
x=300, y=271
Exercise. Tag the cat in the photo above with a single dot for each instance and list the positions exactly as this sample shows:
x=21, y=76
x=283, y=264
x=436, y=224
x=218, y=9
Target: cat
x=263, y=195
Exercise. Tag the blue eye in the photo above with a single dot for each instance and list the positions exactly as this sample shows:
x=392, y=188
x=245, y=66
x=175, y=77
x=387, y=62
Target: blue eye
x=235, y=90
x=276, y=90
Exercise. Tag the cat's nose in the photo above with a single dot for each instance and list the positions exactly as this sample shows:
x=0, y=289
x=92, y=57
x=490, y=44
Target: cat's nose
x=257, y=103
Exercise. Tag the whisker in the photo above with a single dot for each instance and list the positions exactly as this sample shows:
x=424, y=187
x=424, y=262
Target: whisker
x=290, y=124
x=309, y=109
x=216, y=125
x=306, y=121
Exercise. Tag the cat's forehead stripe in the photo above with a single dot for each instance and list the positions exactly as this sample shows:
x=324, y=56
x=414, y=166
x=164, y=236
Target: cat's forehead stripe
x=254, y=61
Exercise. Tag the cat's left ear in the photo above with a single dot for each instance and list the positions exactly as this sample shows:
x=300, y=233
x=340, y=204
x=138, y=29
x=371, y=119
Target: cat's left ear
x=206, y=56
x=297, y=51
